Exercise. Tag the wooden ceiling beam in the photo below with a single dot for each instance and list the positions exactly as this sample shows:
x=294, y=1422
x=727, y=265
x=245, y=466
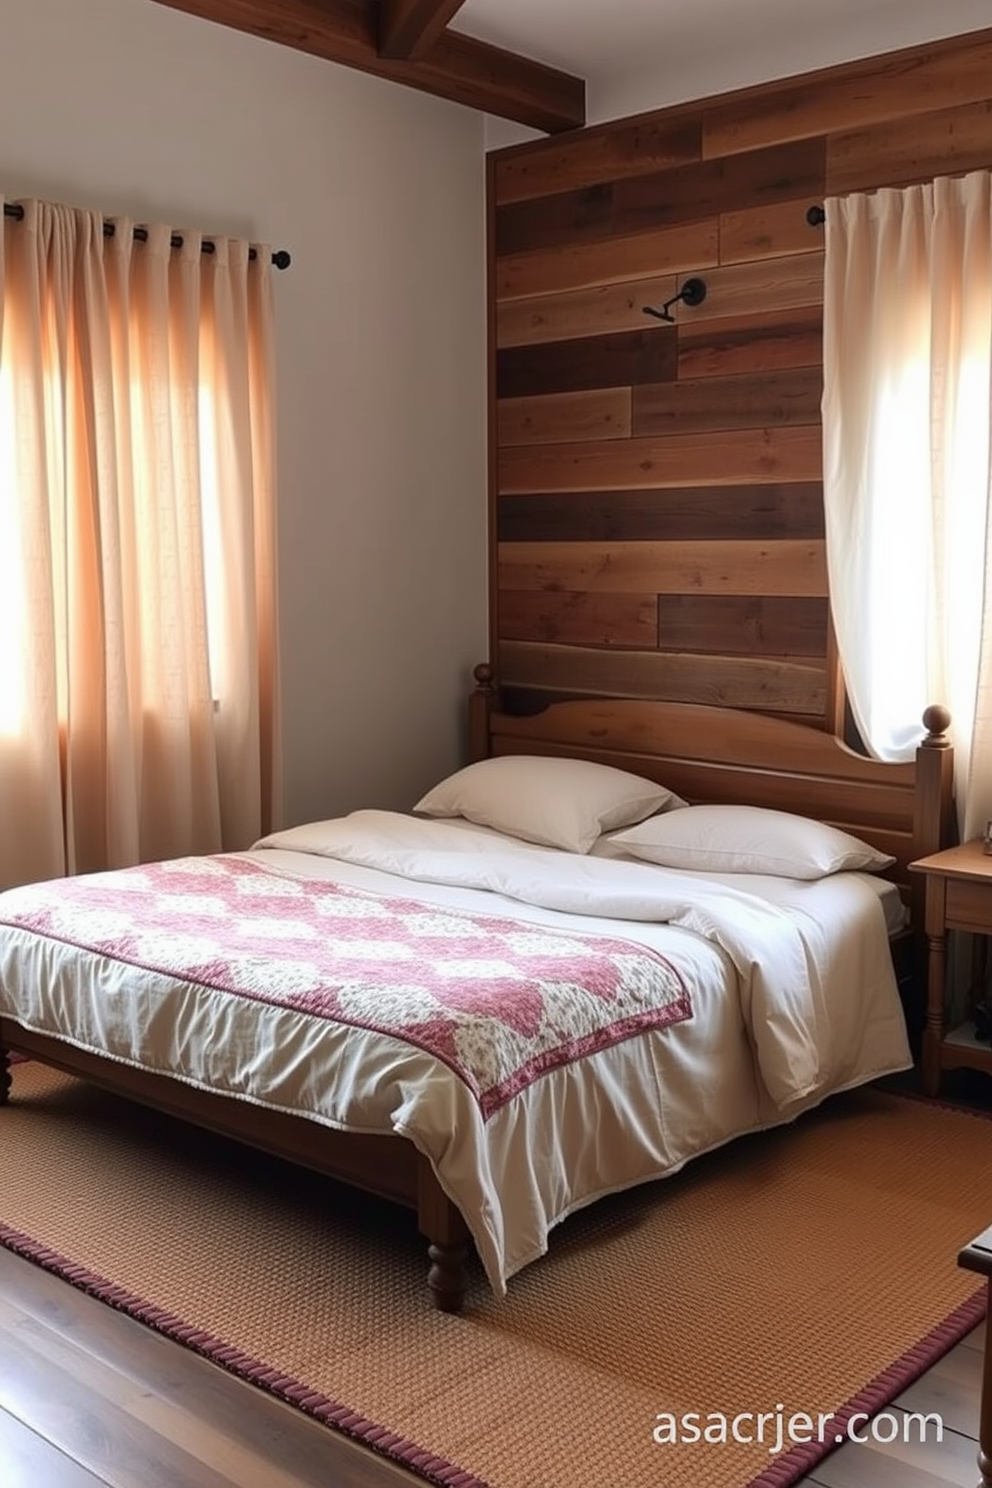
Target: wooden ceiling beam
x=409, y=28
x=456, y=67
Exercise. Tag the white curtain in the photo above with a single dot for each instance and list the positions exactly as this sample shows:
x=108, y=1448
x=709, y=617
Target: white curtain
x=138, y=677
x=907, y=466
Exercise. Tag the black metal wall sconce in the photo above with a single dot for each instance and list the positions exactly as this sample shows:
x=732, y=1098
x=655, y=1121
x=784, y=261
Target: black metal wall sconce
x=693, y=292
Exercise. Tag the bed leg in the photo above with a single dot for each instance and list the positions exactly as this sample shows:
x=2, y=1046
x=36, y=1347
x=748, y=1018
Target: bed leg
x=448, y=1276
x=4, y=1075
x=447, y=1235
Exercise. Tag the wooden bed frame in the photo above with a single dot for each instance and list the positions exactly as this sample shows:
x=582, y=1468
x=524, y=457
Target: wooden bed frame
x=705, y=754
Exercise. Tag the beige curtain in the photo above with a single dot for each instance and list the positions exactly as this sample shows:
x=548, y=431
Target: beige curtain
x=138, y=673
x=907, y=466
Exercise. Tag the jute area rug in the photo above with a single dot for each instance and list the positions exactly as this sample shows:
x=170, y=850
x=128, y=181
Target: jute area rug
x=806, y=1270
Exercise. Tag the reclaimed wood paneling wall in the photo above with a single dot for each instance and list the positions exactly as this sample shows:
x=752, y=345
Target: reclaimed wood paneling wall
x=657, y=500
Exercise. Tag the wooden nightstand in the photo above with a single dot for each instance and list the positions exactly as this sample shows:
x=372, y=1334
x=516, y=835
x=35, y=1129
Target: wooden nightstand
x=958, y=897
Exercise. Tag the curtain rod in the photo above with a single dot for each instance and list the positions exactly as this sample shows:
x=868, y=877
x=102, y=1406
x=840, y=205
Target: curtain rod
x=280, y=259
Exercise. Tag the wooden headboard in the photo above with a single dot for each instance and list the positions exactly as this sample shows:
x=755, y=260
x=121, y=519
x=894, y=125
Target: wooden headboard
x=712, y=754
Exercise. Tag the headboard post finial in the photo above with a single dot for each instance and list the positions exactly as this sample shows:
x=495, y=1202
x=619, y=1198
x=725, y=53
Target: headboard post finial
x=936, y=721
x=480, y=704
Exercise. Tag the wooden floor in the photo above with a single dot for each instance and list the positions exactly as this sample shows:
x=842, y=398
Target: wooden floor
x=90, y=1397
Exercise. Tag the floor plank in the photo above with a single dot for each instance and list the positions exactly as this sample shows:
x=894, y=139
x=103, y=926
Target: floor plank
x=951, y=1388
x=29, y=1461
x=132, y=1408
x=951, y=1463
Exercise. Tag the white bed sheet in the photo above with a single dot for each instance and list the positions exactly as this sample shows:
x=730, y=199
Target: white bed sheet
x=636, y=1111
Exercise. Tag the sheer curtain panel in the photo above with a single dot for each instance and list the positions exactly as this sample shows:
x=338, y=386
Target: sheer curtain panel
x=138, y=672
x=907, y=464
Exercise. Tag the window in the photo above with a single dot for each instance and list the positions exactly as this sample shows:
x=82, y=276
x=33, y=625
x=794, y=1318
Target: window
x=137, y=549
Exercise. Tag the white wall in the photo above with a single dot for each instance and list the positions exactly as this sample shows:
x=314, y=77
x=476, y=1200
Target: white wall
x=378, y=193
x=700, y=50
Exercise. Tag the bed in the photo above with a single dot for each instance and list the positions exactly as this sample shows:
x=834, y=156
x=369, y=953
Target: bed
x=660, y=1007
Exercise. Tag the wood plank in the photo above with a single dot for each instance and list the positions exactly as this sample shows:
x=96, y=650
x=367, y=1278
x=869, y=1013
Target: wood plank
x=791, y=509
x=29, y=1461
x=951, y=1463
x=976, y=1339
x=754, y=568
x=602, y=310
x=755, y=742
x=457, y=67
x=607, y=153
x=739, y=682
x=731, y=625
x=751, y=343
x=212, y=1413
x=758, y=178
x=578, y=619
x=876, y=90
x=950, y=1388
x=690, y=245
x=90, y=1415
x=683, y=193
x=764, y=399
x=876, y=812
x=911, y=149
x=527, y=701
x=760, y=286
x=550, y=221
x=602, y=414
x=730, y=457
x=768, y=232
x=409, y=28
x=587, y=362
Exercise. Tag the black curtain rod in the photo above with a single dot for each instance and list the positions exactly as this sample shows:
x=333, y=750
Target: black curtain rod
x=280, y=259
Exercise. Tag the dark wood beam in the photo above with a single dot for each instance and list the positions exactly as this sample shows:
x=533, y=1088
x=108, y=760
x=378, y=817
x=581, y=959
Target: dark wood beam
x=409, y=28
x=466, y=71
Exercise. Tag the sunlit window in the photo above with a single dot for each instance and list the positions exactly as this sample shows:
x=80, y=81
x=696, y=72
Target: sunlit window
x=137, y=697
x=15, y=556
x=899, y=478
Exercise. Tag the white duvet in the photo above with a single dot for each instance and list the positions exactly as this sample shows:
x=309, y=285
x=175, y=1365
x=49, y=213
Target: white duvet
x=792, y=988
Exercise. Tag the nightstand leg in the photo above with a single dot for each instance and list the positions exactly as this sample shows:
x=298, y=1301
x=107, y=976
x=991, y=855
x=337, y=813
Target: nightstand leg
x=933, y=1033
x=985, y=1417
x=978, y=1257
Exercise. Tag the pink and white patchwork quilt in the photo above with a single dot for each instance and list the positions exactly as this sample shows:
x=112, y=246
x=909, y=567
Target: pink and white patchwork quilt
x=501, y=1002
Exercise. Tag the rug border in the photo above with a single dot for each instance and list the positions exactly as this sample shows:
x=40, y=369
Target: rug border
x=331, y=1413
x=879, y=1392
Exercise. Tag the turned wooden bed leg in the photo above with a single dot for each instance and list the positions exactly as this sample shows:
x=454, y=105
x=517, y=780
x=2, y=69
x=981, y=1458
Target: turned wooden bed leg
x=447, y=1234
x=448, y=1276
x=4, y=1075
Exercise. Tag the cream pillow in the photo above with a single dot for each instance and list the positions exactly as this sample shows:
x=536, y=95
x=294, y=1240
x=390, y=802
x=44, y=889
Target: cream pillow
x=748, y=839
x=564, y=803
